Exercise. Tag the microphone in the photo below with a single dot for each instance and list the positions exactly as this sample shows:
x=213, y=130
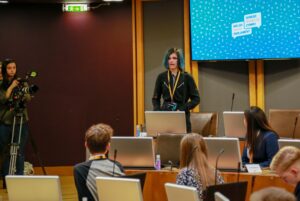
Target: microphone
x=115, y=156
x=232, y=101
x=238, y=171
x=217, y=160
x=171, y=165
x=295, y=125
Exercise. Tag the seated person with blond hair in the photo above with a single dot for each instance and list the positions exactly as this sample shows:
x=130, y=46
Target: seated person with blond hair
x=272, y=194
x=97, y=140
x=286, y=163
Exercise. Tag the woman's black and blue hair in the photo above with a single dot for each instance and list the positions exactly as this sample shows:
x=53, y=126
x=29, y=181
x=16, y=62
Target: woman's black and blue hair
x=180, y=57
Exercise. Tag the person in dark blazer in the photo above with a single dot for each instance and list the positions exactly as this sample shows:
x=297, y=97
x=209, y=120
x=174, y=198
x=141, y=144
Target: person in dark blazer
x=261, y=139
x=176, y=87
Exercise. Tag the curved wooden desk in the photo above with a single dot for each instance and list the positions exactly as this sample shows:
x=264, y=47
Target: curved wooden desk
x=154, y=189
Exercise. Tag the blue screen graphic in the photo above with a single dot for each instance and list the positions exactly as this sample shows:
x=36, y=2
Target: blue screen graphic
x=241, y=29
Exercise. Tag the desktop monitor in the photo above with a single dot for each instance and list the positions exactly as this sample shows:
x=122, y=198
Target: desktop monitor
x=230, y=159
x=33, y=188
x=133, y=151
x=234, y=124
x=165, y=122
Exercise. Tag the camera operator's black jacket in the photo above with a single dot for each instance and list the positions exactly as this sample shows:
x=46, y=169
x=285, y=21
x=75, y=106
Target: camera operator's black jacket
x=186, y=89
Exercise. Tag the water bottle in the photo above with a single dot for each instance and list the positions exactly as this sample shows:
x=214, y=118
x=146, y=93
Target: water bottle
x=138, y=130
x=157, y=162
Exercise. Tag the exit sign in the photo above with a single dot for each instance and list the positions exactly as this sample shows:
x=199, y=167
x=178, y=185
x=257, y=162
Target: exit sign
x=75, y=7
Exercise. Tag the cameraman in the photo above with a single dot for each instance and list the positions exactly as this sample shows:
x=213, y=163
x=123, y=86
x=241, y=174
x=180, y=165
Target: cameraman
x=7, y=113
x=176, y=87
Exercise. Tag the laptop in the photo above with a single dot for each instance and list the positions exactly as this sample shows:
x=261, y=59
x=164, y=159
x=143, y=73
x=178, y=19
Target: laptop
x=233, y=191
x=177, y=192
x=133, y=152
x=234, y=124
x=165, y=122
x=289, y=142
x=230, y=159
x=33, y=188
x=116, y=189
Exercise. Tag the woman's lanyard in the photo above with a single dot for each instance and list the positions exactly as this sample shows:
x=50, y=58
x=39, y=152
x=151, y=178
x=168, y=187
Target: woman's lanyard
x=99, y=156
x=175, y=85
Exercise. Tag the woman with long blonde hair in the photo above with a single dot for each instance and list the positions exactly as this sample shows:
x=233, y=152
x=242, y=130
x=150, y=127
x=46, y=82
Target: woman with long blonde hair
x=194, y=168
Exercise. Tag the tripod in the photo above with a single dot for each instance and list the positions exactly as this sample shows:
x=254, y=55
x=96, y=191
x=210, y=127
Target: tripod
x=14, y=146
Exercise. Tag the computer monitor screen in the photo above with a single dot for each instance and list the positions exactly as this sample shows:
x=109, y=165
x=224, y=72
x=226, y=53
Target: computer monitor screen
x=222, y=30
x=230, y=159
x=165, y=122
x=133, y=151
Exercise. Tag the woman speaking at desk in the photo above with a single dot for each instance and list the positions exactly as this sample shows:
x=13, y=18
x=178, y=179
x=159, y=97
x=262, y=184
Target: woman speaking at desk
x=177, y=88
x=261, y=139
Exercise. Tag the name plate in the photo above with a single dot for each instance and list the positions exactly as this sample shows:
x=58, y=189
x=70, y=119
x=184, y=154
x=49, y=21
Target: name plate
x=253, y=168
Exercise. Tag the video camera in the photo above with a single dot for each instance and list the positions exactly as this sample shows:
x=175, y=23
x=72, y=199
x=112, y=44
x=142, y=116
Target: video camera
x=17, y=98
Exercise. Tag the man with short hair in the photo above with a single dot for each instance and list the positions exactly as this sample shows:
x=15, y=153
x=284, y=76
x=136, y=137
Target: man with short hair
x=286, y=163
x=272, y=194
x=97, y=140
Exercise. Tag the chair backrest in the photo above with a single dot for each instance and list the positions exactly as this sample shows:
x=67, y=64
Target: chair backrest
x=204, y=123
x=33, y=188
x=179, y=192
x=116, y=189
x=284, y=122
x=168, y=147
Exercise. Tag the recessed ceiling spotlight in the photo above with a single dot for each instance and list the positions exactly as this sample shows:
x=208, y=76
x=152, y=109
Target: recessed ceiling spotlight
x=3, y=1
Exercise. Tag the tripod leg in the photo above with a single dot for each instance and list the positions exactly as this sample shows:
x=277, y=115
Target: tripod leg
x=36, y=152
x=13, y=153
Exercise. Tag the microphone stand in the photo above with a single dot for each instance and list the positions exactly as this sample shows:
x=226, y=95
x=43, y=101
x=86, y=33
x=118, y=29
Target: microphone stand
x=295, y=125
x=217, y=160
x=232, y=101
x=115, y=156
x=238, y=172
x=171, y=165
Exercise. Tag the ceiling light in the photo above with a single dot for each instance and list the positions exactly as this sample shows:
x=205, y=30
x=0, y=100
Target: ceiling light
x=3, y=1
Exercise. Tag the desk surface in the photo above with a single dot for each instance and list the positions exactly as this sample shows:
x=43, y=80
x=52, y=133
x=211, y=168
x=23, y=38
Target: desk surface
x=154, y=189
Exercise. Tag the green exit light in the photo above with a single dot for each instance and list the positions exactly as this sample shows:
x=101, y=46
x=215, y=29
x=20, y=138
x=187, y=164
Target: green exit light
x=75, y=7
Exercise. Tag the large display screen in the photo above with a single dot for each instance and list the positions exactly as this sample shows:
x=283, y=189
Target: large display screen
x=244, y=29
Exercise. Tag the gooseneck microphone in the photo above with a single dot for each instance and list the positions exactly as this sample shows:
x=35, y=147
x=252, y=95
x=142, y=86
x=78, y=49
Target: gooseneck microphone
x=115, y=157
x=295, y=125
x=232, y=101
x=171, y=165
x=216, y=168
x=238, y=171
